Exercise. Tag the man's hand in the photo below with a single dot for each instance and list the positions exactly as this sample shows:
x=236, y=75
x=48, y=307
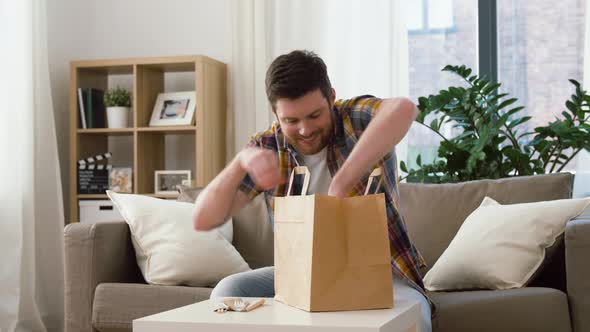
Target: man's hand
x=221, y=198
x=263, y=167
x=340, y=185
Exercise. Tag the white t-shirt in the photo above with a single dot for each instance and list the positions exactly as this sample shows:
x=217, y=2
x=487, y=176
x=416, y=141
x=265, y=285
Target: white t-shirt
x=319, y=182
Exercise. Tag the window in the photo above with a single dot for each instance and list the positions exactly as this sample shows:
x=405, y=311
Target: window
x=431, y=50
x=536, y=54
x=430, y=16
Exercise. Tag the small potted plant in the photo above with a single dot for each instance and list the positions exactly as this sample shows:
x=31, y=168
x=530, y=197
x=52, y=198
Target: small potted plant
x=118, y=104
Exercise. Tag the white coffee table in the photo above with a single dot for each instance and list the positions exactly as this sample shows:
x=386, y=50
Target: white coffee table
x=276, y=316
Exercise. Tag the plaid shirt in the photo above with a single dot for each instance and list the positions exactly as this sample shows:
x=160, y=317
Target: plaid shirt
x=350, y=117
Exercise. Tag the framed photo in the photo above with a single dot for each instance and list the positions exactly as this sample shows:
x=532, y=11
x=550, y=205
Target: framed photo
x=174, y=109
x=121, y=180
x=165, y=182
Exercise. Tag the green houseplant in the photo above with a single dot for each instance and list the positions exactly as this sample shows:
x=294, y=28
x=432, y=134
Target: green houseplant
x=492, y=142
x=118, y=104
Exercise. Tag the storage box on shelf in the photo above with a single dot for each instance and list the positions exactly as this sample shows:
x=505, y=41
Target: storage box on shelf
x=92, y=211
x=204, y=138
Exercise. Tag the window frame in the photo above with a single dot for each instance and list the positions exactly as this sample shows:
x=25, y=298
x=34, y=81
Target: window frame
x=487, y=36
x=487, y=42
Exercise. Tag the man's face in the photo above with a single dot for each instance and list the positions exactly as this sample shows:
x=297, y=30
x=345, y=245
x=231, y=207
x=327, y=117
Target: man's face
x=306, y=121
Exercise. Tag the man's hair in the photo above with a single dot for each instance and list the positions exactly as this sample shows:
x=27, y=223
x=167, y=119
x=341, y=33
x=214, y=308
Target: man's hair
x=295, y=74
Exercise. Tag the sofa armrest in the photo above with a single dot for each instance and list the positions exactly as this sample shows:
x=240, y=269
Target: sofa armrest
x=94, y=253
x=577, y=251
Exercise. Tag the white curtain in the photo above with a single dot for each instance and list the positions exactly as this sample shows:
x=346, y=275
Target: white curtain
x=248, y=108
x=582, y=178
x=31, y=213
x=364, y=44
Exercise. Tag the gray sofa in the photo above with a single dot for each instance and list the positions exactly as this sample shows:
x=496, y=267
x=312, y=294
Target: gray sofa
x=105, y=290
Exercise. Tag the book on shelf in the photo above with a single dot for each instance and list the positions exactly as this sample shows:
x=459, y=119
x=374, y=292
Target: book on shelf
x=91, y=108
x=82, y=122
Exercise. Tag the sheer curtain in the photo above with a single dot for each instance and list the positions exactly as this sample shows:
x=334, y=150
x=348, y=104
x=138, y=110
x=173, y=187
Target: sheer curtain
x=582, y=178
x=364, y=44
x=248, y=108
x=31, y=212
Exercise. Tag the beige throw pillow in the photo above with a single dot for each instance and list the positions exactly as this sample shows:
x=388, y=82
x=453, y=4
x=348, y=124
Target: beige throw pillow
x=501, y=246
x=169, y=251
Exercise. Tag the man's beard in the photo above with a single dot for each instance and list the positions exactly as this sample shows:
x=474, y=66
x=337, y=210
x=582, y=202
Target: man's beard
x=319, y=139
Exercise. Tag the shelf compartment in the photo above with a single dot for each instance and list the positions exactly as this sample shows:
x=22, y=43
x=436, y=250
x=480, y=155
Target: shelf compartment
x=156, y=148
x=91, y=74
x=152, y=79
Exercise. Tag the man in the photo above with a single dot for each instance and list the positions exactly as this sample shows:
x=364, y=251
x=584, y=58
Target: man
x=339, y=141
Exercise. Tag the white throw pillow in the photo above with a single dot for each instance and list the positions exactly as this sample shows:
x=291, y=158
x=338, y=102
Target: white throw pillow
x=501, y=246
x=169, y=251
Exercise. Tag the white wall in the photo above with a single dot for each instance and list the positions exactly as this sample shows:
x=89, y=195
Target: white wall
x=87, y=29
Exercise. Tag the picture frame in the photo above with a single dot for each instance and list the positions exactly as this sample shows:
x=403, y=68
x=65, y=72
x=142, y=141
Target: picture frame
x=121, y=180
x=166, y=182
x=174, y=109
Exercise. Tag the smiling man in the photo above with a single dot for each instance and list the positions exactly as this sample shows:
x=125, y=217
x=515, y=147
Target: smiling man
x=340, y=141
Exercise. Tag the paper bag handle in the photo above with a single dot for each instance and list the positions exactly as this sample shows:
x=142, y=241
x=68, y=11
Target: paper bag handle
x=374, y=182
x=299, y=170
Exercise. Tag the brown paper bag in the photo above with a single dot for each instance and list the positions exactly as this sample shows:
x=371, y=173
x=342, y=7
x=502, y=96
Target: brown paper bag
x=332, y=253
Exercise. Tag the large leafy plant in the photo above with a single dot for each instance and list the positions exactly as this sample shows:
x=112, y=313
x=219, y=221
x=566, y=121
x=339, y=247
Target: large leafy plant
x=491, y=141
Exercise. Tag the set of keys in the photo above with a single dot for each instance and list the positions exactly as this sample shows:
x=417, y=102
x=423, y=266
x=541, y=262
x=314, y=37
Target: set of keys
x=238, y=305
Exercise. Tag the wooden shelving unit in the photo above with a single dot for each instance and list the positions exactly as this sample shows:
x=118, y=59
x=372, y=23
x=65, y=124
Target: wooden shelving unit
x=207, y=133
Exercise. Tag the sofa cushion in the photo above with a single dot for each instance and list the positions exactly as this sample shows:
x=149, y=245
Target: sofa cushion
x=116, y=305
x=253, y=235
x=444, y=207
x=502, y=246
x=523, y=309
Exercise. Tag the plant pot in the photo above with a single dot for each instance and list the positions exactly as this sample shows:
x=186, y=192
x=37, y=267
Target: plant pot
x=118, y=117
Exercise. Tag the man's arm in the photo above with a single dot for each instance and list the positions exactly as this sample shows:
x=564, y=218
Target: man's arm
x=221, y=198
x=392, y=122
